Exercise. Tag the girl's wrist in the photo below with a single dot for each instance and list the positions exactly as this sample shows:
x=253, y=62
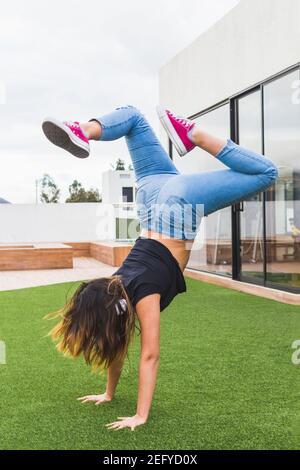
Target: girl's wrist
x=144, y=418
x=109, y=396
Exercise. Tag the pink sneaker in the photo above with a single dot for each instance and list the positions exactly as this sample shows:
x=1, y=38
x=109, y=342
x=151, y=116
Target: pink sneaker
x=177, y=129
x=67, y=135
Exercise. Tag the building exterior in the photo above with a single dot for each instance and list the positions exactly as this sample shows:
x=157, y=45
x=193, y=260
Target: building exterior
x=118, y=194
x=118, y=186
x=241, y=79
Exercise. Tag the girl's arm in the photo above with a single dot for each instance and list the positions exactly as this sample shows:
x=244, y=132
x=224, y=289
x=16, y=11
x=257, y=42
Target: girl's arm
x=148, y=311
x=113, y=376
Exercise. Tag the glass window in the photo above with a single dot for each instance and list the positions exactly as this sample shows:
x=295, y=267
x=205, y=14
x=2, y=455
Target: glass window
x=249, y=112
x=251, y=218
x=127, y=194
x=282, y=145
x=213, y=248
x=270, y=230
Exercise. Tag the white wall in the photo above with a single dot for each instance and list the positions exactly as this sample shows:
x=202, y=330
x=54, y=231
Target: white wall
x=22, y=223
x=255, y=40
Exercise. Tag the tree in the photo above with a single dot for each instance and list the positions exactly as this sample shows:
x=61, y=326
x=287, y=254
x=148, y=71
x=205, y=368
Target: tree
x=120, y=165
x=78, y=194
x=50, y=192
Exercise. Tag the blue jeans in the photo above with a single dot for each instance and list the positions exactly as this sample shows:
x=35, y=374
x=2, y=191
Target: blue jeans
x=172, y=203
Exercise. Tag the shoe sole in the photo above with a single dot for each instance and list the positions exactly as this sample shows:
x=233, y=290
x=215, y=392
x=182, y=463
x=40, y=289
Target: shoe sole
x=60, y=135
x=174, y=137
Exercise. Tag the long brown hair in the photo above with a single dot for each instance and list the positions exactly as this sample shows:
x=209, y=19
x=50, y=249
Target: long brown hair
x=95, y=323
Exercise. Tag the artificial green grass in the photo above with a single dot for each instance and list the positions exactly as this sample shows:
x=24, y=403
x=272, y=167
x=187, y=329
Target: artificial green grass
x=226, y=380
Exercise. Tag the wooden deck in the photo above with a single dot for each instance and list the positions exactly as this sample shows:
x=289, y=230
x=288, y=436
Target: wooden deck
x=38, y=256
x=20, y=257
x=110, y=253
x=14, y=257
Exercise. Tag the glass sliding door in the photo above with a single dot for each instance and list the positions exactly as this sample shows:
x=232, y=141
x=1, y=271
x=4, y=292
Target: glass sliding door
x=282, y=144
x=212, y=250
x=251, y=217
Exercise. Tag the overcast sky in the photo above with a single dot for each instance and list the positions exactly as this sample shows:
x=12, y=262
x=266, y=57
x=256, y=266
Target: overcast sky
x=75, y=60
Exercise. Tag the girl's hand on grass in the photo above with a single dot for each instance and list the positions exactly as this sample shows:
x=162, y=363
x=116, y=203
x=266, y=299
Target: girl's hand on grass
x=127, y=422
x=97, y=399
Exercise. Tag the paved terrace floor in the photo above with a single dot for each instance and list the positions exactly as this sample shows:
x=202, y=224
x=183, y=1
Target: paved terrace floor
x=84, y=268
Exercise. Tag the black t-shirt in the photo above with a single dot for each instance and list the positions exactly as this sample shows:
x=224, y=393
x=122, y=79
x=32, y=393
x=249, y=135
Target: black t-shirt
x=150, y=268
